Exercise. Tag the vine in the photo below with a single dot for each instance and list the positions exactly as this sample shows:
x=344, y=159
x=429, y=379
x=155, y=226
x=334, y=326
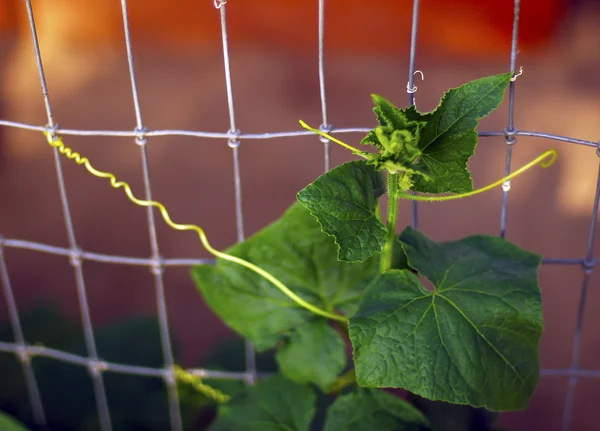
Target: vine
x=330, y=259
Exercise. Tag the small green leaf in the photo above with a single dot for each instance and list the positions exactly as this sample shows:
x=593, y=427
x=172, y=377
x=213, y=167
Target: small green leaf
x=369, y=410
x=473, y=340
x=449, y=138
x=297, y=252
x=344, y=201
x=272, y=404
x=8, y=423
x=315, y=353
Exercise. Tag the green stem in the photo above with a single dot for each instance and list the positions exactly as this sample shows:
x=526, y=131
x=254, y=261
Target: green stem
x=392, y=217
x=342, y=382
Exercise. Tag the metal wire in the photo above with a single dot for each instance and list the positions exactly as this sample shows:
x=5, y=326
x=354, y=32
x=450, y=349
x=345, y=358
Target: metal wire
x=325, y=126
x=156, y=269
x=410, y=87
x=97, y=380
x=509, y=135
x=234, y=143
x=259, y=136
x=156, y=263
x=33, y=391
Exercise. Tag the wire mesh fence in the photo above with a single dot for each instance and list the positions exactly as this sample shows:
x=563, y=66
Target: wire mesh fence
x=156, y=263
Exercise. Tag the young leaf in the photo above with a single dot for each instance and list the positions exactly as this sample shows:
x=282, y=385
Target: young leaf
x=297, y=252
x=316, y=353
x=371, y=409
x=273, y=403
x=449, y=138
x=473, y=340
x=397, y=140
x=344, y=201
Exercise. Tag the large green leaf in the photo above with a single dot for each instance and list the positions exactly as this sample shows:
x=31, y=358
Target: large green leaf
x=297, y=252
x=272, y=404
x=315, y=353
x=472, y=340
x=449, y=138
x=369, y=410
x=344, y=201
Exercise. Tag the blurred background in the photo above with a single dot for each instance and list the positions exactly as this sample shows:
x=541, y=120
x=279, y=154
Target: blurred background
x=273, y=46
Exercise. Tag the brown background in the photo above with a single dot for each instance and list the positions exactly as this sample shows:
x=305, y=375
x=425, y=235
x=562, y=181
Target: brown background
x=274, y=69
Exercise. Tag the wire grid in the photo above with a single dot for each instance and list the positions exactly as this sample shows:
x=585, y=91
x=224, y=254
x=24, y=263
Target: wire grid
x=156, y=263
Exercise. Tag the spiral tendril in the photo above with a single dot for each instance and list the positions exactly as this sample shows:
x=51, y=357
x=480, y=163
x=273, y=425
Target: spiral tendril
x=56, y=142
x=196, y=382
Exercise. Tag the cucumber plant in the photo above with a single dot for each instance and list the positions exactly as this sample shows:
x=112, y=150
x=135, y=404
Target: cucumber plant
x=339, y=274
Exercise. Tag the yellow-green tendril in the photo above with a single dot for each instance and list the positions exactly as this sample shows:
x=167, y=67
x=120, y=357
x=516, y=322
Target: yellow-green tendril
x=337, y=141
x=540, y=160
x=196, y=382
x=56, y=142
x=552, y=154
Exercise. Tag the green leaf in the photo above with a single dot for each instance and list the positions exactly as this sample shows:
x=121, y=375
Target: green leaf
x=449, y=138
x=368, y=410
x=315, y=353
x=344, y=201
x=8, y=423
x=297, y=252
x=272, y=404
x=473, y=340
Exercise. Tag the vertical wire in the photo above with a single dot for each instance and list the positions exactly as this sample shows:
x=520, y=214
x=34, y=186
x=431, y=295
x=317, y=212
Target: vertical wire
x=411, y=81
x=588, y=266
x=75, y=258
x=35, y=399
x=510, y=130
x=325, y=126
x=234, y=144
x=158, y=268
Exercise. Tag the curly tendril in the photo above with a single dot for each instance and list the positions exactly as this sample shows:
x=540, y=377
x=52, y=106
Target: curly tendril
x=56, y=142
x=541, y=160
x=196, y=382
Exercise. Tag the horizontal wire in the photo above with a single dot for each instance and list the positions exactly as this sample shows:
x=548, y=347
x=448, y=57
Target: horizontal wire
x=99, y=257
x=271, y=135
x=139, y=261
x=30, y=351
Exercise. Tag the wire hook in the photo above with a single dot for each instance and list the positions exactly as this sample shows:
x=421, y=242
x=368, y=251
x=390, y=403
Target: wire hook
x=219, y=3
x=514, y=78
x=414, y=87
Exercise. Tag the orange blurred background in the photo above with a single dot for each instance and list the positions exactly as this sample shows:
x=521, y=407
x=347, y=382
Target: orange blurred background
x=470, y=27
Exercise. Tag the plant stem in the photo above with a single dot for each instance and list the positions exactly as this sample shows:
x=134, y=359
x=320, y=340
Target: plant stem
x=392, y=216
x=342, y=382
